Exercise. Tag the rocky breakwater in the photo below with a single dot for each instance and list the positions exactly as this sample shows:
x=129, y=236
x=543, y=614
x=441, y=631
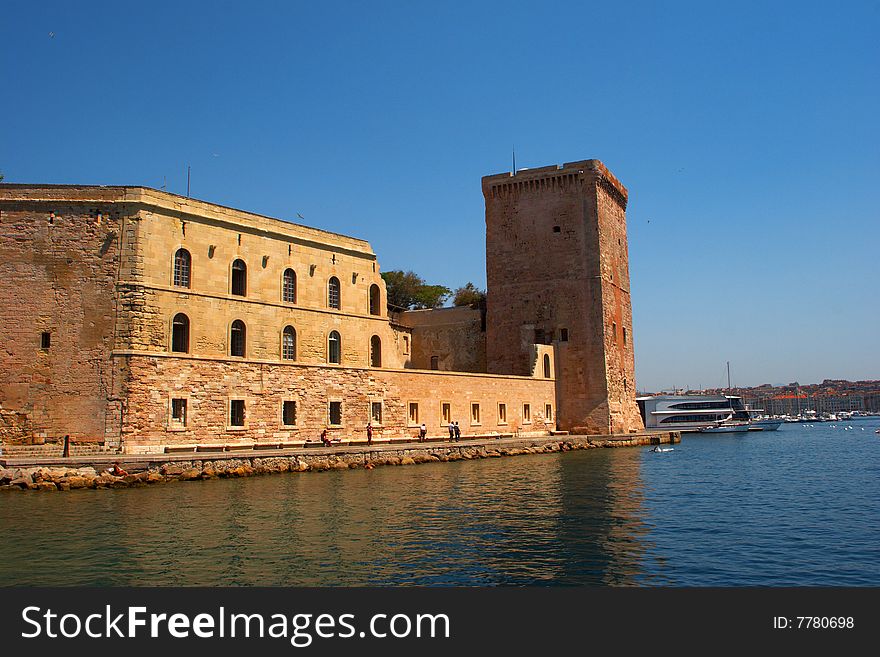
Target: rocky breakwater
x=142, y=471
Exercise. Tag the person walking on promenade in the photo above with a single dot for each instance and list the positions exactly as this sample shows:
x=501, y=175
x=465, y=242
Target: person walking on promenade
x=369, y=433
x=451, y=431
x=325, y=438
x=423, y=431
x=457, y=432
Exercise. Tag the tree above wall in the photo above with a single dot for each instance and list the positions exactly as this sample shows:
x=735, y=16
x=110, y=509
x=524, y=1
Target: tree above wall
x=469, y=295
x=408, y=291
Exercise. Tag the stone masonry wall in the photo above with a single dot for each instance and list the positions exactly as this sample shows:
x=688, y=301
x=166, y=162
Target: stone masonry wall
x=58, y=265
x=209, y=385
x=455, y=336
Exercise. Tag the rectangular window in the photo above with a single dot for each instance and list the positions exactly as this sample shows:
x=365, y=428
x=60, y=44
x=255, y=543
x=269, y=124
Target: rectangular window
x=46, y=340
x=336, y=412
x=548, y=412
x=406, y=344
x=527, y=413
x=563, y=335
x=475, y=413
x=413, y=413
x=376, y=412
x=502, y=413
x=178, y=412
x=236, y=413
x=445, y=413
x=614, y=330
x=624, y=336
x=435, y=362
x=288, y=413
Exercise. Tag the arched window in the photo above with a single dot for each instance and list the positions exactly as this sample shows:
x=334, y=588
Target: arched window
x=375, y=351
x=435, y=362
x=288, y=343
x=239, y=278
x=237, y=338
x=180, y=333
x=333, y=293
x=182, y=262
x=546, y=366
x=375, y=298
x=288, y=287
x=334, y=348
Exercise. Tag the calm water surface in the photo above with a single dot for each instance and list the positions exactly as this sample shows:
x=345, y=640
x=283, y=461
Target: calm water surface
x=796, y=507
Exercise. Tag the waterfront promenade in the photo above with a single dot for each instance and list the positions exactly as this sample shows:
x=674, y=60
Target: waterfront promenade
x=91, y=470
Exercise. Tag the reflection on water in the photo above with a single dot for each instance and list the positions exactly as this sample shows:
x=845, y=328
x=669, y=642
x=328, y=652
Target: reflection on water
x=530, y=520
x=792, y=508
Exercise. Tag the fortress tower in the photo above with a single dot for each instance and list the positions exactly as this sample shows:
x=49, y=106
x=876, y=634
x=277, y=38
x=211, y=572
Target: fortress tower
x=558, y=273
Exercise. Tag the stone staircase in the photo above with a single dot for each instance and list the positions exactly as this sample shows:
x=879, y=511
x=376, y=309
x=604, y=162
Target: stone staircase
x=53, y=450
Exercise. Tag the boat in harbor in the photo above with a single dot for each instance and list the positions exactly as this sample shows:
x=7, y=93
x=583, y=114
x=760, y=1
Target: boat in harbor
x=722, y=413
x=728, y=427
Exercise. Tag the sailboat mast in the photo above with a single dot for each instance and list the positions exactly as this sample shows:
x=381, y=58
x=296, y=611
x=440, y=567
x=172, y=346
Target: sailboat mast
x=728, y=376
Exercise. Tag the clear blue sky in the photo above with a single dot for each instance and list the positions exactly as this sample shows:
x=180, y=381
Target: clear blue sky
x=747, y=133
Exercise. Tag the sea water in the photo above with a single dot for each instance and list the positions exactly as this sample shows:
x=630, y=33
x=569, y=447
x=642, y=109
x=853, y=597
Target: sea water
x=798, y=506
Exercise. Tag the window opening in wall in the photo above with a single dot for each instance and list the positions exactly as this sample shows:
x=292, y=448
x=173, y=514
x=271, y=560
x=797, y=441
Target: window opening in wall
x=333, y=293
x=182, y=265
x=614, y=330
x=413, y=413
x=406, y=345
x=288, y=412
x=45, y=340
x=475, y=413
x=336, y=412
x=375, y=351
x=334, y=350
x=288, y=287
x=375, y=297
x=527, y=412
x=502, y=413
x=180, y=333
x=557, y=229
x=539, y=336
x=178, y=411
x=624, y=336
x=563, y=335
x=435, y=362
x=548, y=412
x=546, y=366
x=446, y=412
x=237, y=335
x=288, y=343
x=376, y=412
x=239, y=278
x=236, y=413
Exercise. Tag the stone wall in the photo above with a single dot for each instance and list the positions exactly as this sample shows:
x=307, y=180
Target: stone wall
x=456, y=337
x=58, y=267
x=209, y=384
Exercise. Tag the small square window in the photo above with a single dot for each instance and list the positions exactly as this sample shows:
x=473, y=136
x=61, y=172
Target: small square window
x=236, y=413
x=178, y=412
x=336, y=413
x=45, y=340
x=288, y=413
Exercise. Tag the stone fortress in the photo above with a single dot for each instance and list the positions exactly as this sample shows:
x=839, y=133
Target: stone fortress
x=144, y=321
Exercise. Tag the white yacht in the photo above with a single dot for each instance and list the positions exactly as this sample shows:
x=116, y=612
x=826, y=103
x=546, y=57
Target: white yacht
x=684, y=412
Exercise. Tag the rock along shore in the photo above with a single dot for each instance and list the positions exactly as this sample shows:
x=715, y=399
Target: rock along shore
x=50, y=474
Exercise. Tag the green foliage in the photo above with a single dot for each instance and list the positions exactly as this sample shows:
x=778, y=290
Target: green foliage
x=407, y=290
x=469, y=295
